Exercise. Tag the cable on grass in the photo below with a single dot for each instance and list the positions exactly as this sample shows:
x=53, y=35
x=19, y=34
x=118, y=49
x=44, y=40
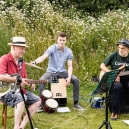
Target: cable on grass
x=72, y=118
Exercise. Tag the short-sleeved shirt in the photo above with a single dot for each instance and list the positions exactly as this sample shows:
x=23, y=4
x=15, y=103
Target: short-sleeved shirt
x=116, y=61
x=58, y=59
x=8, y=66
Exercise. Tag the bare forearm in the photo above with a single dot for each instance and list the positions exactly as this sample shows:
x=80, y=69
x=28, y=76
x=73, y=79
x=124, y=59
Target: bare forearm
x=41, y=58
x=104, y=68
x=6, y=78
x=70, y=71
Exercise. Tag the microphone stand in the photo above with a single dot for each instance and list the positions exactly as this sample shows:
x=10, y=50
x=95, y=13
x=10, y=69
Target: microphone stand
x=18, y=83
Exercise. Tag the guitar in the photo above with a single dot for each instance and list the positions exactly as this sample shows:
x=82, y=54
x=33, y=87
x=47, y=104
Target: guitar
x=7, y=87
x=120, y=75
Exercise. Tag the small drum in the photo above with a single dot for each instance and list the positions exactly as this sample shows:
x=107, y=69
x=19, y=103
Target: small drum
x=46, y=94
x=50, y=105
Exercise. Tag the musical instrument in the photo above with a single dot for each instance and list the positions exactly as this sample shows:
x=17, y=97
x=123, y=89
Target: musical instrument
x=46, y=94
x=122, y=73
x=59, y=91
x=6, y=87
x=33, y=65
x=50, y=105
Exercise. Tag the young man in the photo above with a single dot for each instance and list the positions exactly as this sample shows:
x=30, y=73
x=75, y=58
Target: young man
x=116, y=60
x=9, y=65
x=58, y=55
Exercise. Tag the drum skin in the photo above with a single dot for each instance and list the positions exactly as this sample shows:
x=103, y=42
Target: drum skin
x=46, y=94
x=50, y=105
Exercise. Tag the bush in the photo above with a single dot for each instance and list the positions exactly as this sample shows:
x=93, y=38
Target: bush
x=91, y=39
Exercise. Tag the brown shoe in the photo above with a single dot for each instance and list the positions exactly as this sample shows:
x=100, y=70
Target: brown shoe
x=114, y=116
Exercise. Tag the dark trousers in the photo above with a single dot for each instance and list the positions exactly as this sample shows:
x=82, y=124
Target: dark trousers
x=117, y=92
x=74, y=81
x=117, y=95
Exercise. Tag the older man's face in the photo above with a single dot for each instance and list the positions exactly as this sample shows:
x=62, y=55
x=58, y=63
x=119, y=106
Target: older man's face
x=123, y=50
x=19, y=51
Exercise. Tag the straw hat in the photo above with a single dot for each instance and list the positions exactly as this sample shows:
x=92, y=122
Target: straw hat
x=18, y=41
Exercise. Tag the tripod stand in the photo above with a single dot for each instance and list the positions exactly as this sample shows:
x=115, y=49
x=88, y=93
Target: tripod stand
x=104, y=86
x=18, y=82
x=106, y=122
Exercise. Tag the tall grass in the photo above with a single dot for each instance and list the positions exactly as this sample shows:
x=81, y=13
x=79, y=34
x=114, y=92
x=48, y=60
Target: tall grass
x=91, y=40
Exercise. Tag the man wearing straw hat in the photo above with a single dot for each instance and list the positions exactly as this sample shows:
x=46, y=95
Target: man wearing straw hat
x=9, y=64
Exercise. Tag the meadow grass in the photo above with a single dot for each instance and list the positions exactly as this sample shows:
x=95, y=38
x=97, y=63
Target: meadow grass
x=91, y=39
x=90, y=118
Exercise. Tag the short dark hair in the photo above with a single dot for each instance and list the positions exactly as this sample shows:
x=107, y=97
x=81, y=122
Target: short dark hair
x=62, y=34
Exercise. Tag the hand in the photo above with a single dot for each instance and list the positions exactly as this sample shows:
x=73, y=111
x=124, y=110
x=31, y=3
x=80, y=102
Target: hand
x=24, y=82
x=32, y=87
x=33, y=62
x=68, y=80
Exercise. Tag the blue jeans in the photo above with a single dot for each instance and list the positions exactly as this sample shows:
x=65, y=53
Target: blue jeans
x=74, y=81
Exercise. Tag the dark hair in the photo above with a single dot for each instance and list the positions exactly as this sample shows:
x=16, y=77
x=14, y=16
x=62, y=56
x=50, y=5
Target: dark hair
x=62, y=34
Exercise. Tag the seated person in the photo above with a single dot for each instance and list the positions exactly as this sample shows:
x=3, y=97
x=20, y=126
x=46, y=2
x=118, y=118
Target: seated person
x=9, y=65
x=58, y=55
x=115, y=61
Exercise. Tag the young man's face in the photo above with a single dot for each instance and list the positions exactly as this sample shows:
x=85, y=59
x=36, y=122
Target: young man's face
x=123, y=50
x=61, y=42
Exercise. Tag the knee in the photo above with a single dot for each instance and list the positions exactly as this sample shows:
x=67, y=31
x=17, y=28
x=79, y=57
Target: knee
x=39, y=102
x=117, y=86
x=75, y=79
x=20, y=104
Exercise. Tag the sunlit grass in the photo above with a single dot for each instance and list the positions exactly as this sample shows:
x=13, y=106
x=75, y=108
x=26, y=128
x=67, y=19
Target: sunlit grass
x=91, y=118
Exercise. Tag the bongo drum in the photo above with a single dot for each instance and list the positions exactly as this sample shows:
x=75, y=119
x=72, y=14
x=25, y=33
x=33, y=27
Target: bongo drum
x=50, y=105
x=46, y=94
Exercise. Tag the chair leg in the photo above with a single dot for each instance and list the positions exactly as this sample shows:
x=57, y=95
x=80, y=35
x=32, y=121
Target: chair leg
x=4, y=115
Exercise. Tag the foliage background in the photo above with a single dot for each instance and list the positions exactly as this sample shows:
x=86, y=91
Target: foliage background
x=93, y=27
x=91, y=39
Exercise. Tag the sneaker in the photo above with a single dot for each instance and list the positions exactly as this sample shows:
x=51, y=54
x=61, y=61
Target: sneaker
x=78, y=107
x=40, y=109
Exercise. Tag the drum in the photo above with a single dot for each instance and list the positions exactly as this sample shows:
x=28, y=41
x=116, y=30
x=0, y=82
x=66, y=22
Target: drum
x=50, y=105
x=46, y=94
x=59, y=91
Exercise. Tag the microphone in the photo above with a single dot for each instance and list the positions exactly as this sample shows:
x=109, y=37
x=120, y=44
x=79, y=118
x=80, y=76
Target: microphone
x=20, y=61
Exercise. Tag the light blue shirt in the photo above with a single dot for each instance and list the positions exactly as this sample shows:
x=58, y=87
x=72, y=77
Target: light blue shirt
x=58, y=59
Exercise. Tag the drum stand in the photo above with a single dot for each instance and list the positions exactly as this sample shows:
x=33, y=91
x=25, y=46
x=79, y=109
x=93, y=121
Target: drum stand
x=18, y=82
